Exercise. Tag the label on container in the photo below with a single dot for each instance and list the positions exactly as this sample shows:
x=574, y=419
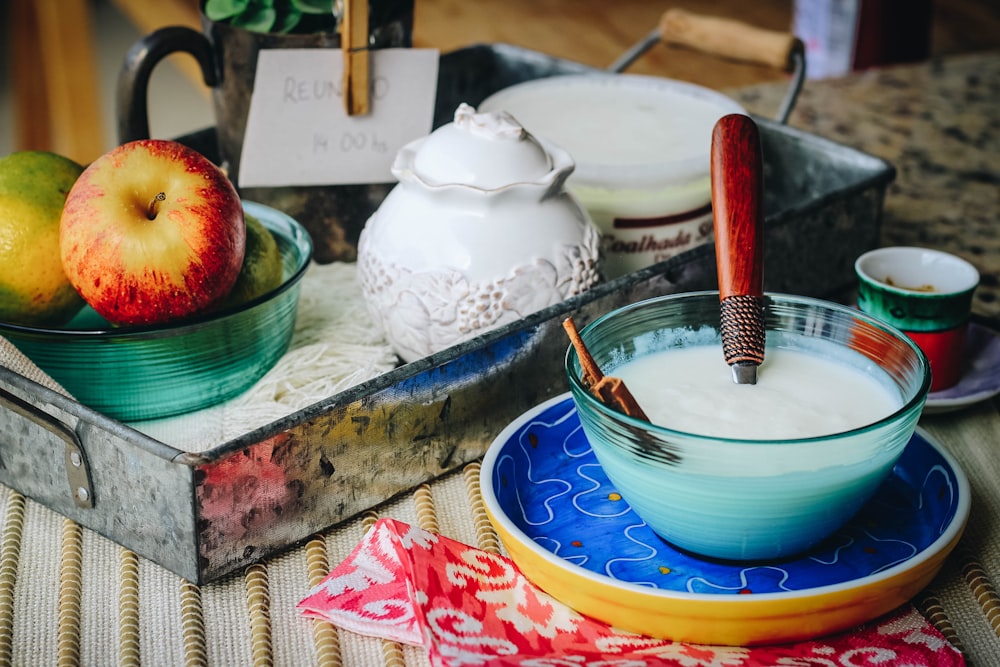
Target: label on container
x=298, y=132
x=634, y=243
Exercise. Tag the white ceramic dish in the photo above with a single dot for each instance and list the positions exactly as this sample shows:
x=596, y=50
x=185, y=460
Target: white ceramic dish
x=479, y=232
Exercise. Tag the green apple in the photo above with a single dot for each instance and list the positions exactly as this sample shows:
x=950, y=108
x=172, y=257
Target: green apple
x=152, y=232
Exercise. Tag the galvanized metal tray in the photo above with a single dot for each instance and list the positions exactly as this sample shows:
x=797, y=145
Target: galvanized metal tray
x=205, y=515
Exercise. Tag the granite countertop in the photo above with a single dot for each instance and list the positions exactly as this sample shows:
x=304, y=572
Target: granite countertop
x=939, y=124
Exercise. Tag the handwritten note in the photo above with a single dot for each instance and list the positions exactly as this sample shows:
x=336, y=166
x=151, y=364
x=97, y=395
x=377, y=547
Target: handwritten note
x=298, y=132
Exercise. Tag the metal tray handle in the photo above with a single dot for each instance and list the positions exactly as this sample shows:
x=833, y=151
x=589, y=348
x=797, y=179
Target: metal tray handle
x=77, y=469
x=727, y=38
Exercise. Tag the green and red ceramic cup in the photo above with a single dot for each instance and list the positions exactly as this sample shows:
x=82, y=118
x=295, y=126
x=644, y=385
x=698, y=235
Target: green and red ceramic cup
x=925, y=293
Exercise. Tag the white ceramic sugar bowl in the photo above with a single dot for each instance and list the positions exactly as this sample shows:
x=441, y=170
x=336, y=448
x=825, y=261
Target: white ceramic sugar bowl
x=480, y=231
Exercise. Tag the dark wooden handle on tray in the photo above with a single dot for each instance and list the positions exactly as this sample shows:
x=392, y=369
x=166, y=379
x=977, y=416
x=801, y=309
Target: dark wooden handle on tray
x=738, y=209
x=729, y=38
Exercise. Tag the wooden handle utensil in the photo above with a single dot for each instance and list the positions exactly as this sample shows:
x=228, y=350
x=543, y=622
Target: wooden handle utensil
x=737, y=206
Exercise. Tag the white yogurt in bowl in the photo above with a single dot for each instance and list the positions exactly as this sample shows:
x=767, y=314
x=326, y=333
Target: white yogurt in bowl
x=642, y=149
x=798, y=394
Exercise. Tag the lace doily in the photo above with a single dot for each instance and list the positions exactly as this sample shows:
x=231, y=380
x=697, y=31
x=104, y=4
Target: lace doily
x=335, y=346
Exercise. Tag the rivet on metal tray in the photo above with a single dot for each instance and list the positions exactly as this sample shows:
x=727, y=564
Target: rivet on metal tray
x=78, y=474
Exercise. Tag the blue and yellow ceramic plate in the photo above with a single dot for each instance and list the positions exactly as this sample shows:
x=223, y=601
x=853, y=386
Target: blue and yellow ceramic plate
x=571, y=533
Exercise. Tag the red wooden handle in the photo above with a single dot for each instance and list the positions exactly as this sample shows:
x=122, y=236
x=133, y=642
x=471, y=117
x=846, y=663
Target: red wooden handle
x=738, y=206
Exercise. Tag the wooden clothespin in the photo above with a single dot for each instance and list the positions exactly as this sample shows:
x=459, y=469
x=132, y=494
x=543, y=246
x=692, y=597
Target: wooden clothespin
x=354, y=46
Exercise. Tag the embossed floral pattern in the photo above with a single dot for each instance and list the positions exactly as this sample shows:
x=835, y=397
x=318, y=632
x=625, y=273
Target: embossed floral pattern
x=423, y=312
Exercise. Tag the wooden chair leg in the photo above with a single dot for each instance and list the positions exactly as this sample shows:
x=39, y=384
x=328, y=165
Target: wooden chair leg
x=31, y=126
x=56, y=83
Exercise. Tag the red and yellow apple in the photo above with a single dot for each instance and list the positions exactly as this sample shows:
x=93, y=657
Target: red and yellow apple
x=152, y=232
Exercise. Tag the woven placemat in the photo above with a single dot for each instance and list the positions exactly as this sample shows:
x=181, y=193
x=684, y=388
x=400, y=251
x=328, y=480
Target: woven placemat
x=962, y=601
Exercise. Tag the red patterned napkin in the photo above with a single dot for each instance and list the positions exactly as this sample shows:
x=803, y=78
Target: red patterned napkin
x=470, y=607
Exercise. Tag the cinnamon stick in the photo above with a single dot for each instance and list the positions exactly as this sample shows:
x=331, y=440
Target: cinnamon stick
x=609, y=390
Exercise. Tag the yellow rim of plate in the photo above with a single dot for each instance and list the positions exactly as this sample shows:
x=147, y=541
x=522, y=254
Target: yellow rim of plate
x=746, y=620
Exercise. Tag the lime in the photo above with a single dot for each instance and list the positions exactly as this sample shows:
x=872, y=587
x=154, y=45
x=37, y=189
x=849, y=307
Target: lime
x=34, y=289
x=262, y=270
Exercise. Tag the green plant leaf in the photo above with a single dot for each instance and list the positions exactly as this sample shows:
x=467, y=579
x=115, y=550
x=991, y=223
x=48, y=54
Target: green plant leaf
x=287, y=20
x=219, y=10
x=313, y=6
x=257, y=18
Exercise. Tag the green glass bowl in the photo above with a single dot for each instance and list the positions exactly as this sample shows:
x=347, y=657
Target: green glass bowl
x=748, y=499
x=147, y=372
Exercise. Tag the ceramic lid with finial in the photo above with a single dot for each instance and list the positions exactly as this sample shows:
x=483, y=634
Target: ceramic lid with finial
x=482, y=150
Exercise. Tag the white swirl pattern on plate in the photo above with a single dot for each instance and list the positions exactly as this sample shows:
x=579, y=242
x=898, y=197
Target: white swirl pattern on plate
x=549, y=484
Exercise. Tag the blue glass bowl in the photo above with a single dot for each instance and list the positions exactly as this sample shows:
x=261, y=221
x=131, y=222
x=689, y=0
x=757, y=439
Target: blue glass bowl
x=747, y=499
x=147, y=372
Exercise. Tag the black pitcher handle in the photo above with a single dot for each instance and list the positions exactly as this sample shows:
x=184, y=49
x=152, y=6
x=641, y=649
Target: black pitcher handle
x=142, y=57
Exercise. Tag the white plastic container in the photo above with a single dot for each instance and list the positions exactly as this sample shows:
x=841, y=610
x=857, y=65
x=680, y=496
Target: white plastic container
x=642, y=150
